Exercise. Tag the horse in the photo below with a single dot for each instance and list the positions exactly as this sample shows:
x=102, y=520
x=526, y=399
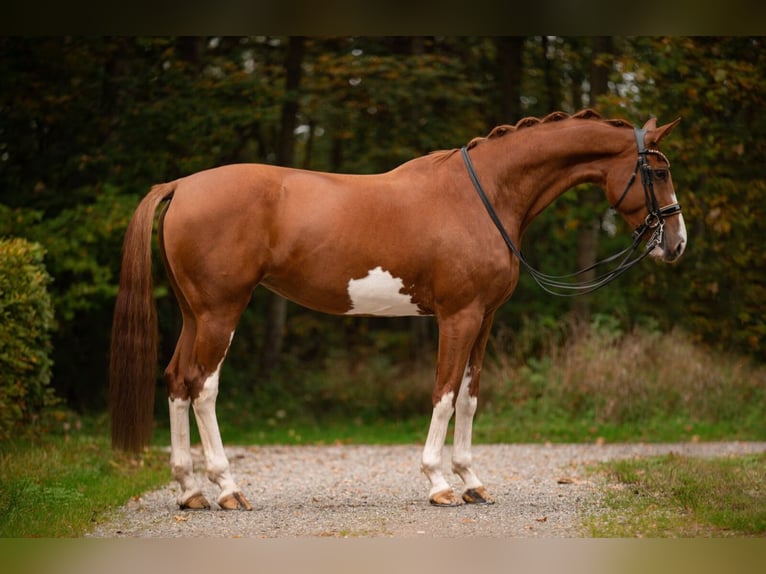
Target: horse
x=413, y=241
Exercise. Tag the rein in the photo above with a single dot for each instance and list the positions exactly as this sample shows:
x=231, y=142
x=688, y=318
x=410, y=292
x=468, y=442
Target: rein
x=559, y=284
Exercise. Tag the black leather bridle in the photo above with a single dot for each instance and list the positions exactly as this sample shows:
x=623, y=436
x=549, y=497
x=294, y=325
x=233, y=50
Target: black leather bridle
x=655, y=215
x=655, y=221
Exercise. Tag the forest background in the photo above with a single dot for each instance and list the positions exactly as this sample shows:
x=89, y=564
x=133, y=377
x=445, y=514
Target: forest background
x=87, y=125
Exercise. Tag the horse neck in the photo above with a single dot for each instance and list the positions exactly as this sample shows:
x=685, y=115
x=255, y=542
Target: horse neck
x=532, y=169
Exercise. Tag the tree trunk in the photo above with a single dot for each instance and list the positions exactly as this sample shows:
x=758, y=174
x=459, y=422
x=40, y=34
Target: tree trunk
x=551, y=78
x=587, y=238
x=509, y=65
x=277, y=315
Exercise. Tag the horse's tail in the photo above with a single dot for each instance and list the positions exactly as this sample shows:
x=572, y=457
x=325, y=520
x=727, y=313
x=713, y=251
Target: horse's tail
x=133, y=354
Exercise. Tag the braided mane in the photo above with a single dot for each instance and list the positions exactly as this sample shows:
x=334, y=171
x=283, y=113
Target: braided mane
x=529, y=122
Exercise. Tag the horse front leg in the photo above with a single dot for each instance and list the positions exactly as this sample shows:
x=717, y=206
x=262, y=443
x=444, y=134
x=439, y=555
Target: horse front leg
x=431, y=463
x=465, y=407
x=457, y=334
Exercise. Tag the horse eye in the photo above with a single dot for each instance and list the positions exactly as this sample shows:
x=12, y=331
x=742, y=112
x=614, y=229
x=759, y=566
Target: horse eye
x=661, y=174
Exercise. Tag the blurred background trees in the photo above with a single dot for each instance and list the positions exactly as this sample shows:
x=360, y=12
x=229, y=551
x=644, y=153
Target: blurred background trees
x=88, y=124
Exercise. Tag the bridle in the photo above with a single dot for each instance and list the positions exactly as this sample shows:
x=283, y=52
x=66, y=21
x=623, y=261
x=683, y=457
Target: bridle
x=654, y=222
x=655, y=215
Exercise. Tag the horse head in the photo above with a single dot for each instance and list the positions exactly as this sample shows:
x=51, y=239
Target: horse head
x=642, y=192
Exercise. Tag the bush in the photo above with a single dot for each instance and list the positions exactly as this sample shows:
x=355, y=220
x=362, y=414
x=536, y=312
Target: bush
x=26, y=320
x=601, y=375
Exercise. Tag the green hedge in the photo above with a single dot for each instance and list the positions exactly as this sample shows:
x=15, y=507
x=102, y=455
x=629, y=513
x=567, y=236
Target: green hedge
x=26, y=320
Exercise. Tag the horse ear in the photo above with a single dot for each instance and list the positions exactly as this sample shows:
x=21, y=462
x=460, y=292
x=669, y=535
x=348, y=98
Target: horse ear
x=655, y=134
x=651, y=125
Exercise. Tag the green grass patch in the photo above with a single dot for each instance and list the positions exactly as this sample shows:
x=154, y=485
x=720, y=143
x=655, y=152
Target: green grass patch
x=61, y=486
x=678, y=496
x=523, y=427
x=304, y=430
x=490, y=427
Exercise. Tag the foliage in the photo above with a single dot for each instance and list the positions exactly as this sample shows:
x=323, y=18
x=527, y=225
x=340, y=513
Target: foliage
x=26, y=319
x=620, y=385
x=718, y=87
x=380, y=112
x=82, y=246
x=674, y=495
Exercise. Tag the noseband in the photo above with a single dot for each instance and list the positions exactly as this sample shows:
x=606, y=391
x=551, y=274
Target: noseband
x=562, y=285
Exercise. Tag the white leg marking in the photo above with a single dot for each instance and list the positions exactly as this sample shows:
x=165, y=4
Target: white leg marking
x=465, y=408
x=432, y=452
x=217, y=464
x=180, y=449
x=380, y=294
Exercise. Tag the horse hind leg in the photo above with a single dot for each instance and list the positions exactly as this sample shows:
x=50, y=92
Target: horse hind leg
x=179, y=401
x=192, y=378
x=212, y=293
x=179, y=397
x=210, y=348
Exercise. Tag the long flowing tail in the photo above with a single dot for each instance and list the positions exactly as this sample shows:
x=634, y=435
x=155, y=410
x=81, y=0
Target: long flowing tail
x=133, y=354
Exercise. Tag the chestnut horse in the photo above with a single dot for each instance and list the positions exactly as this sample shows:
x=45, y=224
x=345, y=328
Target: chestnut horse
x=413, y=241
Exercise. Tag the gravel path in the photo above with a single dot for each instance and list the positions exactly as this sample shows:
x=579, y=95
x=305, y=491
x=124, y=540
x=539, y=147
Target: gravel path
x=378, y=491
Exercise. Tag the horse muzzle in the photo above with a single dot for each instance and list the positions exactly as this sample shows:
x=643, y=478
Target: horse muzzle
x=673, y=242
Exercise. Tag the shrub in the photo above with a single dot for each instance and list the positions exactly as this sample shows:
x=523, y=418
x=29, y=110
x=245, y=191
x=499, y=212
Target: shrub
x=604, y=375
x=26, y=320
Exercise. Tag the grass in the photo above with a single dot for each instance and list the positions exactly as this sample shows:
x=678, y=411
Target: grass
x=678, y=496
x=490, y=427
x=305, y=430
x=62, y=486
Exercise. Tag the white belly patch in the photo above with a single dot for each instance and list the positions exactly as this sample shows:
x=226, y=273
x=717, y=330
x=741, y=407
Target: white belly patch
x=380, y=294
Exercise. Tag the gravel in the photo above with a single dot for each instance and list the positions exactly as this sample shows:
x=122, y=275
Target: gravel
x=379, y=492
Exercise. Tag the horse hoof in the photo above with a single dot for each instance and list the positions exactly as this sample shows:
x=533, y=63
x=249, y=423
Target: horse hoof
x=195, y=502
x=234, y=501
x=478, y=496
x=445, y=498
